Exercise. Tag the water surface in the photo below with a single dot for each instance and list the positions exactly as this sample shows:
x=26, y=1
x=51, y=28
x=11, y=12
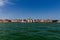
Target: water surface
x=29, y=31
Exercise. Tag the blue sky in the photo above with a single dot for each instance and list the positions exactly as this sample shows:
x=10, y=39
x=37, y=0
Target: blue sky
x=14, y=9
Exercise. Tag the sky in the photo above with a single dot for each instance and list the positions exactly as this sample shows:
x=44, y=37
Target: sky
x=36, y=9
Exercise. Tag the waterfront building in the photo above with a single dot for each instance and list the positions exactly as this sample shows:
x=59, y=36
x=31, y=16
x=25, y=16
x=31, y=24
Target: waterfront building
x=6, y=20
x=42, y=20
x=14, y=20
x=1, y=20
x=38, y=20
x=54, y=20
x=48, y=20
x=58, y=21
x=29, y=19
x=24, y=20
x=19, y=20
x=34, y=20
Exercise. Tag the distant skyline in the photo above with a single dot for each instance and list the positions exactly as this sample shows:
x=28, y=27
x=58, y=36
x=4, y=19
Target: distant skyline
x=37, y=9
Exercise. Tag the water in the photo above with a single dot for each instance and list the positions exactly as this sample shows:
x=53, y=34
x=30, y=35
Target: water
x=29, y=31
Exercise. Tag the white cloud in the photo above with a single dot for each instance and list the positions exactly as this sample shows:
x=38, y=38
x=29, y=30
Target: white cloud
x=4, y=2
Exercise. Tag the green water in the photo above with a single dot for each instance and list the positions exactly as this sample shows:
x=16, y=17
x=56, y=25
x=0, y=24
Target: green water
x=29, y=31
